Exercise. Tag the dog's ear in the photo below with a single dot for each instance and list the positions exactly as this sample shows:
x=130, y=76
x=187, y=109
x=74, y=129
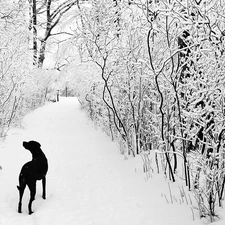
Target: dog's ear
x=35, y=144
x=38, y=145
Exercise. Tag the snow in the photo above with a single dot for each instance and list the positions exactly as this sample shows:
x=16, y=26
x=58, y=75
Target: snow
x=88, y=181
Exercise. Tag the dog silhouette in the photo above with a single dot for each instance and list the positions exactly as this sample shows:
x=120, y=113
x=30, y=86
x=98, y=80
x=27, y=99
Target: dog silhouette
x=32, y=171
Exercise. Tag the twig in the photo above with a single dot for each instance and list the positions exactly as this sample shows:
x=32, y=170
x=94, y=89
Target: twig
x=184, y=195
x=193, y=216
x=166, y=198
x=190, y=199
x=170, y=193
x=181, y=194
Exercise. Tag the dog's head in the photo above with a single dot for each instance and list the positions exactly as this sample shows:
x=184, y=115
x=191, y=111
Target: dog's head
x=32, y=146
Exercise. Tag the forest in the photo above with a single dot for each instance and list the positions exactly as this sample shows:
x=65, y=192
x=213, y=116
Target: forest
x=149, y=73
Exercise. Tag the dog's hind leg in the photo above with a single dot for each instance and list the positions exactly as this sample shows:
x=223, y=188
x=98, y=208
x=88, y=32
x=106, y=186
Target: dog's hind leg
x=44, y=187
x=32, y=187
x=21, y=189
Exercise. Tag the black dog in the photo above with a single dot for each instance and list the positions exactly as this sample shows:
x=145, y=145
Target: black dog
x=31, y=172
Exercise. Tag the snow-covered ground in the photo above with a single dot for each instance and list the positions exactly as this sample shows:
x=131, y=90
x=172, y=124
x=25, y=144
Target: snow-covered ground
x=88, y=182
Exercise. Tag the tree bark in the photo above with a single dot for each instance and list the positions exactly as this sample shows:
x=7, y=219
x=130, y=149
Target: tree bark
x=34, y=21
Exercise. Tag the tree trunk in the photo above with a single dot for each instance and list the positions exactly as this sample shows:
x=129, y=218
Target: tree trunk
x=161, y=104
x=41, y=57
x=34, y=21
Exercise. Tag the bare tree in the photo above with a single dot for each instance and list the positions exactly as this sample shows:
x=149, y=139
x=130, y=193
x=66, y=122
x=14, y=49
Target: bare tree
x=45, y=17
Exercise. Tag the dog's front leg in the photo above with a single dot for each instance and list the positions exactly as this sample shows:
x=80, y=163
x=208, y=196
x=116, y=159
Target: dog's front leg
x=44, y=187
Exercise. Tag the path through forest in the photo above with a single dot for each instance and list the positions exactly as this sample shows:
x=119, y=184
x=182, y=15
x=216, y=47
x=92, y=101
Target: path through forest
x=88, y=181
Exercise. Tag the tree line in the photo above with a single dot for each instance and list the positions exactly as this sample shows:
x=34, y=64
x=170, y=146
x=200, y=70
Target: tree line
x=159, y=69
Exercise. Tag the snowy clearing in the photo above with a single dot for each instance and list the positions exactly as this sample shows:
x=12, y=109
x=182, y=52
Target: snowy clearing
x=88, y=181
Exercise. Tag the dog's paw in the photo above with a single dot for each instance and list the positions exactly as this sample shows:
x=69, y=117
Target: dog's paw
x=20, y=208
x=44, y=196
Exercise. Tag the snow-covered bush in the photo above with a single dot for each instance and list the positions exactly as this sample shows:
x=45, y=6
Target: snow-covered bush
x=162, y=69
x=14, y=61
x=114, y=94
x=208, y=175
x=22, y=88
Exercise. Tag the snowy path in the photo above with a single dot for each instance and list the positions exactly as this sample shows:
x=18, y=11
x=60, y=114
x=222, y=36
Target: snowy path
x=88, y=181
